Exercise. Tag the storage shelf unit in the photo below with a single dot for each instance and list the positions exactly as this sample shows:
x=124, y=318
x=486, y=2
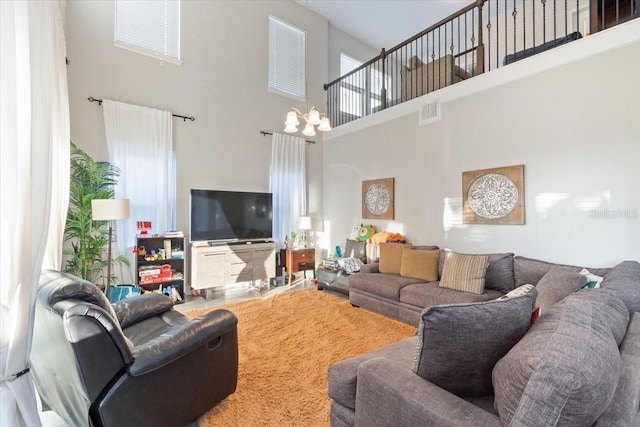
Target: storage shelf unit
x=160, y=265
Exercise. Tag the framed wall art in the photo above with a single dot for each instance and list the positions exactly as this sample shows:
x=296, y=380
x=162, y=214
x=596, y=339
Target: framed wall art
x=377, y=199
x=494, y=196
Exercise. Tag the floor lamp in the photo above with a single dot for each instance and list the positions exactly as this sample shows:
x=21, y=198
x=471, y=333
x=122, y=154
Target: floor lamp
x=109, y=210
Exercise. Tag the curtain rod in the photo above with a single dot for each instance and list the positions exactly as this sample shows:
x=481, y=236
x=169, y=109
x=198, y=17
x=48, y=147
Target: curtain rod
x=184, y=118
x=264, y=133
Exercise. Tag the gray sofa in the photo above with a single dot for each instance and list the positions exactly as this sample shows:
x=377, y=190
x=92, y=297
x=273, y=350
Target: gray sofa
x=578, y=365
x=404, y=298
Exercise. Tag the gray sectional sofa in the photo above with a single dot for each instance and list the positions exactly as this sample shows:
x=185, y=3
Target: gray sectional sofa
x=404, y=298
x=578, y=365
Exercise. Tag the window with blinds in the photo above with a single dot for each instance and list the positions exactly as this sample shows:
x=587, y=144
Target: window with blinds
x=286, y=58
x=149, y=27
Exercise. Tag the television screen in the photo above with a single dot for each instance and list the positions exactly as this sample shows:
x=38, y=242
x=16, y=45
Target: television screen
x=230, y=215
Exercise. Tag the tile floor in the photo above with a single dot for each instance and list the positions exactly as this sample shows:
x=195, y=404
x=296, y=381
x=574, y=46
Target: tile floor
x=239, y=292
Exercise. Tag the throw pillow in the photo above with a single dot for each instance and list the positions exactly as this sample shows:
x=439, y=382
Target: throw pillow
x=593, y=280
x=557, y=284
x=391, y=257
x=459, y=344
x=499, y=276
x=565, y=370
x=354, y=249
x=464, y=273
x=420, y=264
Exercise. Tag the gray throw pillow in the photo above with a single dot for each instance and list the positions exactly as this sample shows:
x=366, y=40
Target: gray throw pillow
x=566, y=368
x=557, y=284
x=499, y=276
x=459, y=344
x=464, y=273
x=354, y=249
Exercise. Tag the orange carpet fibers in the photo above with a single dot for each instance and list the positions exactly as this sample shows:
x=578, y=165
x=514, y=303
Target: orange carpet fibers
x=286, y=344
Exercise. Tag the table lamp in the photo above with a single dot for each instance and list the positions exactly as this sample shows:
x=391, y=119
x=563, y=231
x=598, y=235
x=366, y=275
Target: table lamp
x=109, y=210
x=304, y=224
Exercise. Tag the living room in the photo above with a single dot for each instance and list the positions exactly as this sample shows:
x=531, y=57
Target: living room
x=570, y=117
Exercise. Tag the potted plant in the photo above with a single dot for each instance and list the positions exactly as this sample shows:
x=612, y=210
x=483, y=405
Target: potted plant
x=87, y=238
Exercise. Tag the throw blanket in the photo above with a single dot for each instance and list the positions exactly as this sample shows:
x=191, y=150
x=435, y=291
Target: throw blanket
x=349, y=265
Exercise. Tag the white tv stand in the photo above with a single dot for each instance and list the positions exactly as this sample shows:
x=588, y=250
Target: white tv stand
x=215, y=264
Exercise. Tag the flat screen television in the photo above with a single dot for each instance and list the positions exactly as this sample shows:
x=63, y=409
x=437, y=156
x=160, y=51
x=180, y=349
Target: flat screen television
x=230, y=215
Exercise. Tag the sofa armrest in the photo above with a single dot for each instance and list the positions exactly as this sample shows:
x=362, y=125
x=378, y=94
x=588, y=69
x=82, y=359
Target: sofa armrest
x=370, y=268
x=207, y=329
x=389, y=394
x=140, y=307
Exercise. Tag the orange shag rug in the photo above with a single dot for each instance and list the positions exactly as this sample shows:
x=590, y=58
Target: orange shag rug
x=286, y=344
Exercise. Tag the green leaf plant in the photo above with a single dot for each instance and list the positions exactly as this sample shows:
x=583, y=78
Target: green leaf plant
x=86, y=239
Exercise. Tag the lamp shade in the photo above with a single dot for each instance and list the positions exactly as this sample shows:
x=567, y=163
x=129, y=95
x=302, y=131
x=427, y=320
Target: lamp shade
x=304, y=223
x=324, y=124
x=290, y=128
x=309, y=130
x=109, y=209
x=292, y=119
x=314, y=117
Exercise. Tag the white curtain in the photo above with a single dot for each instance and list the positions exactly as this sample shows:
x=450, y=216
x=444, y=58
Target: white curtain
x=140, y=143
x=34, y=132
x=288, y=184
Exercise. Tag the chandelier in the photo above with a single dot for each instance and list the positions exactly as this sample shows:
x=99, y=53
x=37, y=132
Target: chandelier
x=312, y=119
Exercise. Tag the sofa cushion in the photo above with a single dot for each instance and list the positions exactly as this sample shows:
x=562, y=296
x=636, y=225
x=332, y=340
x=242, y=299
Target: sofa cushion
x=342, y=376
x=391, y=257
x=420, y=264
x=353, y=249
x=426, y=294
x=529, y=270
x=623, y=281
x=565, y=370
x=623, y=411
x=556, y=284
x=458, y=344
x=464, y=273
x=383, y=285
x=499, y=276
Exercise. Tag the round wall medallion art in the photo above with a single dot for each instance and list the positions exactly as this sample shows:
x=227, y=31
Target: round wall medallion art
x=377, y=199
x=493, y=196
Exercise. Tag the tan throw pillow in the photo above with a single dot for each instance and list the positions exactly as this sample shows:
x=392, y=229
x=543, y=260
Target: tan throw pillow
x=391, y=257
x=464, y=273
x=420, y=264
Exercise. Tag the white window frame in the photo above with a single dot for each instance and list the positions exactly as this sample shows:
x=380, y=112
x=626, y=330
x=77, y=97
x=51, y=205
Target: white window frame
x=288, y=60
x=168, y=27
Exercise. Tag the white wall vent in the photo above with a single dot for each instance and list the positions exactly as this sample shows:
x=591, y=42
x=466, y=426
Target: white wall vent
x=429, y=113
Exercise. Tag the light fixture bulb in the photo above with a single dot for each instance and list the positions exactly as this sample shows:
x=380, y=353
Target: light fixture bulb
x=292, y=119
x=309, y=130
x=314, y=117
x=324, y=125
x=290, y=127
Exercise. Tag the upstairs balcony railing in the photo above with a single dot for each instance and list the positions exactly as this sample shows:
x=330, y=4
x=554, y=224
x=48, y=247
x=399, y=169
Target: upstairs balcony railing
x=485, y=35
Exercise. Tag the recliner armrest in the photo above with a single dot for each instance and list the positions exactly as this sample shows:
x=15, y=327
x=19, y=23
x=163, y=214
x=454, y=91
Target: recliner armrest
x=207, y=329
x=389, y=394
x=135, y=309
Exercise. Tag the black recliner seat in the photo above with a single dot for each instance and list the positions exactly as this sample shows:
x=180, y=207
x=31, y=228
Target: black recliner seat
x=134, y=363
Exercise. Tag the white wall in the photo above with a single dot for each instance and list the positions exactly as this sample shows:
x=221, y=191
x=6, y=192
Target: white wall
x=222, y=82
x=576, y=129
x=341, y=42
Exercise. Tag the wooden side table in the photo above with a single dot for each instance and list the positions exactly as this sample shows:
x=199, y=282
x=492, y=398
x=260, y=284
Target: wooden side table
x=300, y=260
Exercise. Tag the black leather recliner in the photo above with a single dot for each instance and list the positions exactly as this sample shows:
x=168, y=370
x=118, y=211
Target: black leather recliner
x=136, y=363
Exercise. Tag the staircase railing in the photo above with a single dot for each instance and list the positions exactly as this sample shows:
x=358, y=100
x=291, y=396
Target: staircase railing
x=483, y=36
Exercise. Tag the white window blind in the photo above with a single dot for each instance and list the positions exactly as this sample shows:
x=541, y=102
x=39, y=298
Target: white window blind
x=286, y=58
x=149, y=27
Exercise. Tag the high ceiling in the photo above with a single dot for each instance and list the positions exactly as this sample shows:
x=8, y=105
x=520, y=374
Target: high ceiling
x=384, y=23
